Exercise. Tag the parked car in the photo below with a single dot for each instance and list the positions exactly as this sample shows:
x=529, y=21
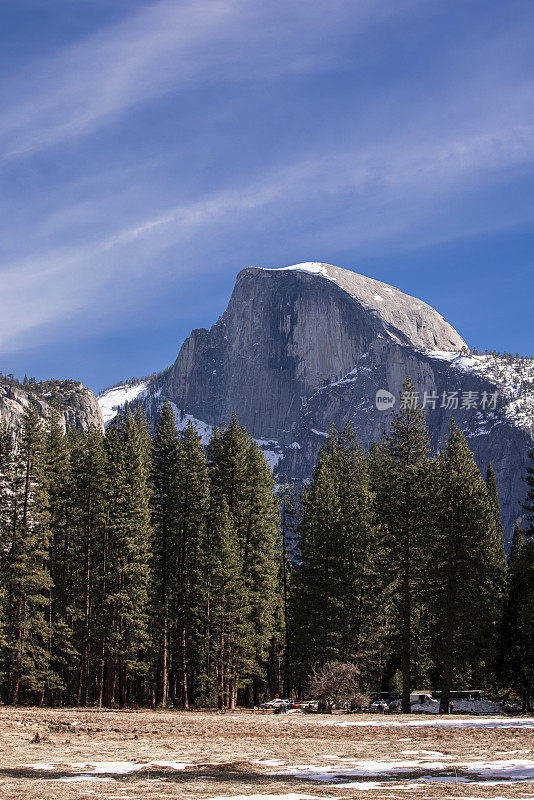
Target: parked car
x=379, y=706
x=276, y=703
x=309, y=706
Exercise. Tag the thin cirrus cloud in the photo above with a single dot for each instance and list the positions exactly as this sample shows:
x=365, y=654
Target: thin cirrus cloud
x=165, y=47
x=63, y=282
x=392, y=159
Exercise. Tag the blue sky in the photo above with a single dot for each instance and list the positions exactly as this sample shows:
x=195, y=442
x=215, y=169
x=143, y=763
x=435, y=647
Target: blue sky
x=150, y=150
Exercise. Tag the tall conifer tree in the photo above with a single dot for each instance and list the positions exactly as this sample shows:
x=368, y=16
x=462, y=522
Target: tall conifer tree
x=464, y=566
x=192, y=495
x=63, y=555
x=25, y=566
x=517, y=643
x=164, y=555
x=336, y=596
x=240, y=477
x=89, y=470
x=127, y=558
x=225, y=604
x=403, y=479
x=289, y=517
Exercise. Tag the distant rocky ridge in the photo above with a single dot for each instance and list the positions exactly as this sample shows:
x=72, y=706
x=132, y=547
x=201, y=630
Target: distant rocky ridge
x=303, y=347
x=77, y=405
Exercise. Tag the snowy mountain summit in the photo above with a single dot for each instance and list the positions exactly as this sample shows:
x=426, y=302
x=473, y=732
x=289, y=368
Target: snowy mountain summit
x=406, y=319
x=303, y=346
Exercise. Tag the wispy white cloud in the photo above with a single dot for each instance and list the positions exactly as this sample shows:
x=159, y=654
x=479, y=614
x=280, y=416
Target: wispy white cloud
x=165, y=47
x=70, y=243
x=399, y=177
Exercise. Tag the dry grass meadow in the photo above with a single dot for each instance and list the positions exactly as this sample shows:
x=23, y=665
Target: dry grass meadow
x=133, y=755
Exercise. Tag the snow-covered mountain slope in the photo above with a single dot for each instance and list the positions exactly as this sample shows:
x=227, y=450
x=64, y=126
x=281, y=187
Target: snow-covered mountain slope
x=112, y=399
x=512, y=375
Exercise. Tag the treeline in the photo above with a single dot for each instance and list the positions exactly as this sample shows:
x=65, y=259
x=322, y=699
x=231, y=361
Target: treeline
x=505, y=356
x=133, y=381
x=32, y=385
x=140, y=567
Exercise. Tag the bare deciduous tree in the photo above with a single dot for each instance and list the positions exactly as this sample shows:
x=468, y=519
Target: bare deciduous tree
x=336, y=683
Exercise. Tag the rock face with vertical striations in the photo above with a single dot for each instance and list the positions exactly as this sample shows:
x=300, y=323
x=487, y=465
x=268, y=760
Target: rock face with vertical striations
x=302, y=347
x=284, y=334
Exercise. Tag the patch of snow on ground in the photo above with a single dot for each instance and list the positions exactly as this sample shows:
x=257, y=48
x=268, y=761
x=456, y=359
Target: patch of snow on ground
x=96, y=770
x=446, y=722
x=500, y=771
x=113, y=399
x=290, y=796
x=78, y=778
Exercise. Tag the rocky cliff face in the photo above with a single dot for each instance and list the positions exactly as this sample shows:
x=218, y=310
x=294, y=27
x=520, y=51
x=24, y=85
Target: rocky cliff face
x=77, y=405
x=303, y=347
x=287, y=332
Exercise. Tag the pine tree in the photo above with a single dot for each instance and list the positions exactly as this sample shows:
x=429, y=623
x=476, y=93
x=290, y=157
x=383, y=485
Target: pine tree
x=192, y=496
x=127, y=572
x=318, y=615
x=499, y=544
x=464, y=566
x=90, y=510
x=227, y=455
x=25, y=552
x=146, y=443
x=289, y=516
x=403, y=482
x=510, y=650
x=63, y=562
x=165, y=557
x=523, y=579
x=491, y=484
x=518, y=540
x=225, y=604
x=497, y=575
x=240, y=477
x=363, y=558
x=259, y=569
x=337, y=594
x=6, y=463
x=517, y=642
x=6, y=467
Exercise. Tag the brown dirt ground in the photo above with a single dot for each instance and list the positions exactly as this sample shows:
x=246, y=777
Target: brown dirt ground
x=222, y=748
